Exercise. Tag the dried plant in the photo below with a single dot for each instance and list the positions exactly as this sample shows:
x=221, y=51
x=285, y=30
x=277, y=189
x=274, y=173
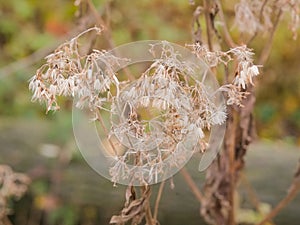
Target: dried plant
x=69, y=73
x=180, y=107
x=253, y=16
x=184, y=108
x=256, y=16
x=134, y=209
x=12, y=186
x=218, y=200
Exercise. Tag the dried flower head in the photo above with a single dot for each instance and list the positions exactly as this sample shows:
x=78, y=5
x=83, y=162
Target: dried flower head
x=245, y=72
x=180, y=109
x=157, y=121
x=253, y=16
x=69, y=73
x=214, y=58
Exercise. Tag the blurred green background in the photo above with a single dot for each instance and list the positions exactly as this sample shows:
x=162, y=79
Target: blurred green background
x=27, y=134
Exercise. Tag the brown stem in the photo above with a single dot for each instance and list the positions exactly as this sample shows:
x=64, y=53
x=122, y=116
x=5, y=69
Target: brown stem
x=148, y=216
x=251, y=192
x=268, y=46
x=100, y=22
x=260, y=19
x=209, y=29
x=194, y=188
x=99, y=118
x=230, y=146
x=226, y=74
x=262, y=9
x=227, y=36
x=283, y=203
x=108, y=15
x=159, y=194
x=107, y=33
x=293, y=191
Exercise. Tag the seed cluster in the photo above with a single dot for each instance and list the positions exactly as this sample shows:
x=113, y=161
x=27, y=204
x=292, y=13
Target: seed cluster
x=157, y=121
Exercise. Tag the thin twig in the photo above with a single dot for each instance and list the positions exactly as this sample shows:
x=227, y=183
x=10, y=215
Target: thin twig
x=107, y=34
x=268, y=46
x=227, y=36
x=196, y=26
x=251, y=192
x=194, y=188
x=260, y=19
x=209, y=29
x=283, y=203
x=292, y=193
x=99, y=118
x=159, y=194
x=100, y=21
x=96, y=14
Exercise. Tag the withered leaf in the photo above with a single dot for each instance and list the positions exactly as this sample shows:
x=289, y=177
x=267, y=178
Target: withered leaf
x=134, y=210
x=129, y=195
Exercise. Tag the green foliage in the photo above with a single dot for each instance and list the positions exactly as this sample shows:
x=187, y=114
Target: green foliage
x=61, y=131
x=278, y=92
x=66, y=215
x=39, y=187
x=26, y=26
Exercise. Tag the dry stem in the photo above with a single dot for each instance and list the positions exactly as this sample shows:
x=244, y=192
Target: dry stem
x=283, y=203
x=227, y=36
x=159, y=194
x=148, y=216
x=293, y=191
x=251, y=192
x=268, y=46
x=209, y=29
x=260, y=18
x=107, y=33
x=193, y=186
x=230, y=145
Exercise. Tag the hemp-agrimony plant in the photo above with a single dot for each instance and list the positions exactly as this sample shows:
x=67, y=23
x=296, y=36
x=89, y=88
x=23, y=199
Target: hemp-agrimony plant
x=183, y=107
x=180, y=107
x=165, y=112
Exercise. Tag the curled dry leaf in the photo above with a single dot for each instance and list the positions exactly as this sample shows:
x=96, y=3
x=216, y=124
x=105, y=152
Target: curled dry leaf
x=129, y=195
x=134, y=209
